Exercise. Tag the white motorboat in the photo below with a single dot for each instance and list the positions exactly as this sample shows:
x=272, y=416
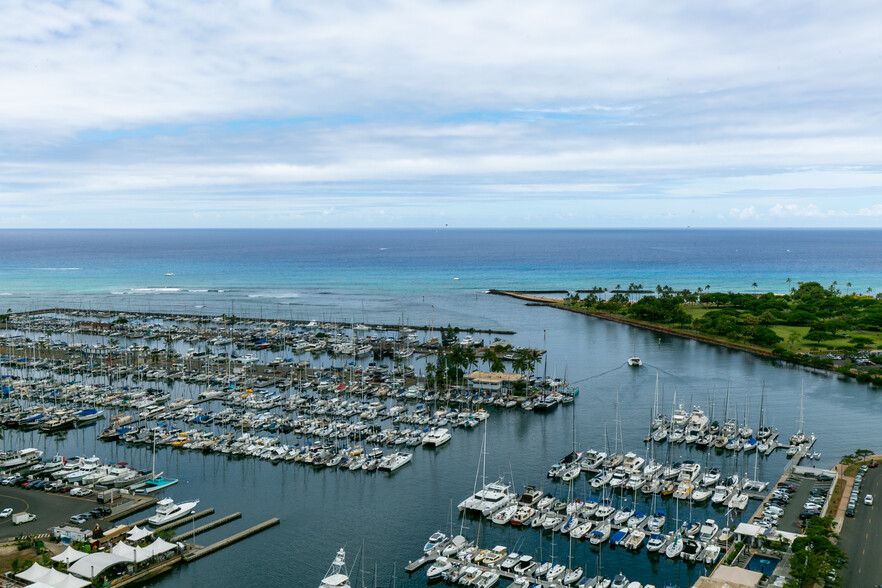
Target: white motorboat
x=438, y=568
x=656, y=542
x=701, y=494
x=436, y=540
x=337, y=575
x=167, y=511
x=708, y=530
x=390, y=463
x=436, y=437
x=635, y=361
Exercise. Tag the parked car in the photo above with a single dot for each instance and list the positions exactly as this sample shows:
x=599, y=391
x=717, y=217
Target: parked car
x=849, y=512
x=80, y=492
x=78, y=519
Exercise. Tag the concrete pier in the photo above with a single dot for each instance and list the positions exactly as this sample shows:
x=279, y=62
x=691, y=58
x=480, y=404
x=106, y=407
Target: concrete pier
x=208, y=527
x=230, y=540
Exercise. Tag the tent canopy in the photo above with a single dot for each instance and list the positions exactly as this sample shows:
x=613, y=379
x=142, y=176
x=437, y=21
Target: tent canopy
x=93, y=564
x=161, y=546
x=37, y=573
x=137, y=533
x=124, y=550
x=68, y=556
x=47, y=577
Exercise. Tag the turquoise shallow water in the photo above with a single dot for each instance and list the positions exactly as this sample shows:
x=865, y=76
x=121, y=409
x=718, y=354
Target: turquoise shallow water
x=392, y=276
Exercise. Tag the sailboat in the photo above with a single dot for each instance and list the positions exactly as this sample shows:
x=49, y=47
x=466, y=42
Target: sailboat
x=763, y=432
x=337, y=576
x=635, y=361
x=799, y=437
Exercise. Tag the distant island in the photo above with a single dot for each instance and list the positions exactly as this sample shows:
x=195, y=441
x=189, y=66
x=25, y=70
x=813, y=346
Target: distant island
x=812, y=325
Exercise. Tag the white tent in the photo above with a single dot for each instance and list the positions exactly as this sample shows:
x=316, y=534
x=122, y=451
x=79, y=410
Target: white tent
x=124, y=550
x=137, y=533
x=161, y=546
x=68, y=556
x=72, y=582
x=93, y=564
x=37, y=573
x=39, y=585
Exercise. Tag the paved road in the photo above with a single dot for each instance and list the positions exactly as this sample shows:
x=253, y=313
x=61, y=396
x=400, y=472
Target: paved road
x=52, y=509
x=861, y=536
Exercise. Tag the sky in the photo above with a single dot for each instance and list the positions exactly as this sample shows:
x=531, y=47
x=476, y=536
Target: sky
x=260, y=113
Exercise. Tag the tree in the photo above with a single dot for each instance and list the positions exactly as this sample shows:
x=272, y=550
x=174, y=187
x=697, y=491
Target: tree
x=815, y=556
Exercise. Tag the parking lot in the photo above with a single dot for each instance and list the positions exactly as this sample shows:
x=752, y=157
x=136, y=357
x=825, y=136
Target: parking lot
x=860, y=539
x=52, y=509
x=789, y=519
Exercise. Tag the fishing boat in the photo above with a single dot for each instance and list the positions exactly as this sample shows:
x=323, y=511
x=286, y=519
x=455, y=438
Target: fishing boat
x=167, y=511
x=337, y=575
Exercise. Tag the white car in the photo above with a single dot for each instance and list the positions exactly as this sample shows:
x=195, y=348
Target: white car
x=80, y=492
x=5, y=513
x=868, y=499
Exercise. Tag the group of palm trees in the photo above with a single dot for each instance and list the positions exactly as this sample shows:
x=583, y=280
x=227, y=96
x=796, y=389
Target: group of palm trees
x=456, y=360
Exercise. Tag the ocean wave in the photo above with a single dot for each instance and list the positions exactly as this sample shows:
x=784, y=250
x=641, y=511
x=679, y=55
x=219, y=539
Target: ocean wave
x=138, y=291
x=55, y=269
x=198, y=290
x=5, y=293
x=276, y=295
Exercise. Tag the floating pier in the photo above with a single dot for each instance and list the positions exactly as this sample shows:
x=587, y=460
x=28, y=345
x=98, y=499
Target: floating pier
x=208, y=527
x=138, y=503
x=194, y=555
x=183, y=521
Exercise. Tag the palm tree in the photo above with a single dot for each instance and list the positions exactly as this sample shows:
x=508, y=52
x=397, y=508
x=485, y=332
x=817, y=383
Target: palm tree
x=848, y=288
x=754, y=288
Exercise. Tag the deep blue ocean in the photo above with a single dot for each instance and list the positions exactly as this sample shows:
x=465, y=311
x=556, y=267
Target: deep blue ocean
x=410, y=276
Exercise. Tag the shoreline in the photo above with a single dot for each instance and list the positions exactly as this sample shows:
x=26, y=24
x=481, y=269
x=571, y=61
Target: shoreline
x=558, y=303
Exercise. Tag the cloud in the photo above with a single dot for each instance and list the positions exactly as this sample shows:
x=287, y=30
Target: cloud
x=114, y=106
x=807, y=210
x=744, y=213
x=875, y=210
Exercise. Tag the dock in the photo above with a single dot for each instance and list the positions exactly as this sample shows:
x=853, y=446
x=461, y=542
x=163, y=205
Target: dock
x=137, y=504
x=183, y=521
x=194, y=555
x=208, y=527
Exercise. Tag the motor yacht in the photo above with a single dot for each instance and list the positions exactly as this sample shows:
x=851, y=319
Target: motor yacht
x=167, y=511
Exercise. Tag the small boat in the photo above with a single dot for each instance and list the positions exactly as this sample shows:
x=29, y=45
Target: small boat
x=635, y=361
x=634, y=540
x=656, y=542
x=154, y=484
x=674, y=548
x=573, y=576
x=438, y=568
x=436, y=540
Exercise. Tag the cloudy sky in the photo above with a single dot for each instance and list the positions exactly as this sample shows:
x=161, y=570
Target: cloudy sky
x=137, y=113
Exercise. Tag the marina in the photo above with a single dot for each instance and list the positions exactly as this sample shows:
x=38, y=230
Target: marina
x=411, y=504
